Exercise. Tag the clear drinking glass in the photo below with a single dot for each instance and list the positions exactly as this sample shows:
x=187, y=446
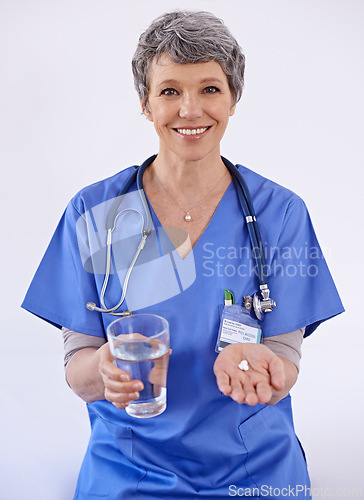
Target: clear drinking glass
x=140, y=346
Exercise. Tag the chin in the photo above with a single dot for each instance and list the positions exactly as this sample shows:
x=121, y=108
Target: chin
x=195, y=155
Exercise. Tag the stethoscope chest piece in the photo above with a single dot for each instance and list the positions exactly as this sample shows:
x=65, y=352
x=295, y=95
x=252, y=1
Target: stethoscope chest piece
x=263, y=305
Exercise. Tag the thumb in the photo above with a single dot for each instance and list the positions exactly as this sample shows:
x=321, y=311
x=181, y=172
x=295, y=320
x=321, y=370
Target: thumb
x=276, y=371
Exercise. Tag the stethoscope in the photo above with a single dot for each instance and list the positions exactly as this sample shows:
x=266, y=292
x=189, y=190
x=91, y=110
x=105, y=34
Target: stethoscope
x=261, y=304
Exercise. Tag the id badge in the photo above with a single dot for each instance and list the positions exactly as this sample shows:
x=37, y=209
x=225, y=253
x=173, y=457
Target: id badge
x=237, y=326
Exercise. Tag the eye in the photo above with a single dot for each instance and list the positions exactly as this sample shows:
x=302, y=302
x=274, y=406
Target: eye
x=211, y=90
x=169, y=92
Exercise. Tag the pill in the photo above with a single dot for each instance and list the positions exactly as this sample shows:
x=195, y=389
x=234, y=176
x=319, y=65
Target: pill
x=243, y=365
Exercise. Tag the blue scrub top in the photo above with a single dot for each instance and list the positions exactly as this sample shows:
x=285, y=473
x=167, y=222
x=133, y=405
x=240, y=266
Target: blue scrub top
x=204, y=445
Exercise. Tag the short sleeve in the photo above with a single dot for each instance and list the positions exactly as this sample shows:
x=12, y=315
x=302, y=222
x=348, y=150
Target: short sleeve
x=61, y=286
x=299, y=279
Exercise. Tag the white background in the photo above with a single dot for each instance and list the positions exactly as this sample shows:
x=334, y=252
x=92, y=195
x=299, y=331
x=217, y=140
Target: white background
x=69, y=116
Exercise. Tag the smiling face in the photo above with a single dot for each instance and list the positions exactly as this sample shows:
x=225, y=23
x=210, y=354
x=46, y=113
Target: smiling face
x=190, y=106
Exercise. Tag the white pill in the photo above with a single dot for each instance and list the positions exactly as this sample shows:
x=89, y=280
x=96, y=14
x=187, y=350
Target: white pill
x=243, y=365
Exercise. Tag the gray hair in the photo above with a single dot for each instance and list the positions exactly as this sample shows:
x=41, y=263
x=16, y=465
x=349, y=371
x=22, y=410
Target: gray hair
x=188, y=37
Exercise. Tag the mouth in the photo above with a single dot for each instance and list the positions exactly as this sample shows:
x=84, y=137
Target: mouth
x=192, y=131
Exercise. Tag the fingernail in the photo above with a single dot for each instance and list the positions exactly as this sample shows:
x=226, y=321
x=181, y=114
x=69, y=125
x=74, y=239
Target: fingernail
x=137, y=387
x=124, y=378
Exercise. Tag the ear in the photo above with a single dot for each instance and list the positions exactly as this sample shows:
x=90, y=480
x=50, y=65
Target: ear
x=232, y=110
x=145, y=110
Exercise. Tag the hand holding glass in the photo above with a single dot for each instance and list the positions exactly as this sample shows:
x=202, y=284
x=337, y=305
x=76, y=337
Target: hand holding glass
x=140, y=346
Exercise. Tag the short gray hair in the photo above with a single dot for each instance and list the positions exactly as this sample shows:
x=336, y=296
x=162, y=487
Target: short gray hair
x=188, y=37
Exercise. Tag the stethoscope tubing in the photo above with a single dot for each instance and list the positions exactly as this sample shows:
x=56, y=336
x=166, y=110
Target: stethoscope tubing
x=137, y=177
x=111, y=218
x=247, y=207
x=148, y=227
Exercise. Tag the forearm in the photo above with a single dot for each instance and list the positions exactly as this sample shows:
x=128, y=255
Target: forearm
x=83, y=374
x=291, y=375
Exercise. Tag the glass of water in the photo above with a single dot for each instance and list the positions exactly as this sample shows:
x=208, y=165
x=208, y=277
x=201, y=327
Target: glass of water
x=140, y=346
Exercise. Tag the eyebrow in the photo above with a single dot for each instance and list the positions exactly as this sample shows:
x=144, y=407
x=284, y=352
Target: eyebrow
x=173, y=82
x=212, y=79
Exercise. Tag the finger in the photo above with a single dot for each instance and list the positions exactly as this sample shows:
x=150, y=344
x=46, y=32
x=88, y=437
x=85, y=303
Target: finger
x=125, y=387
x=158, y=376
x=120, y=406
x=223, y=382
x=251, y=397
x=238, y=393
x=244, y=388
x=276, y=370
x=264, y=392
x=120, y=397
x=112, y=371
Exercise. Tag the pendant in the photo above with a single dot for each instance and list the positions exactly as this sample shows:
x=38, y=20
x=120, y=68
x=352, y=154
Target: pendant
x=187, y=217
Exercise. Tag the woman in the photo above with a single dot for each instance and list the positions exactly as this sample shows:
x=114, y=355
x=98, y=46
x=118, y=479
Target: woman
x=225, y=432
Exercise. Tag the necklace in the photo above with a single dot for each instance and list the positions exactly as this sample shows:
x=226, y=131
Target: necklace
x=188, y=216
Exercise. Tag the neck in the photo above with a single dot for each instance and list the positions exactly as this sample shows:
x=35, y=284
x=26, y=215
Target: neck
x=189, y=180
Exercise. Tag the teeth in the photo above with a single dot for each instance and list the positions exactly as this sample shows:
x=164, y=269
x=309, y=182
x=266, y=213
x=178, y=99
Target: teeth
x=193, y=131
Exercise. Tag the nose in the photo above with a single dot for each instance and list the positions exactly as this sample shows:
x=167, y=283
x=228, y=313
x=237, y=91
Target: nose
x=190, y=107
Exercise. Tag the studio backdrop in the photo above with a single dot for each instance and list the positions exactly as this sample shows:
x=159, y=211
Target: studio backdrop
x=69, y=116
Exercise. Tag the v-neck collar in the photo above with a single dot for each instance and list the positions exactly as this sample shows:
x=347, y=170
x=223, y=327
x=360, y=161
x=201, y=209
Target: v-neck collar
x=158, y=224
